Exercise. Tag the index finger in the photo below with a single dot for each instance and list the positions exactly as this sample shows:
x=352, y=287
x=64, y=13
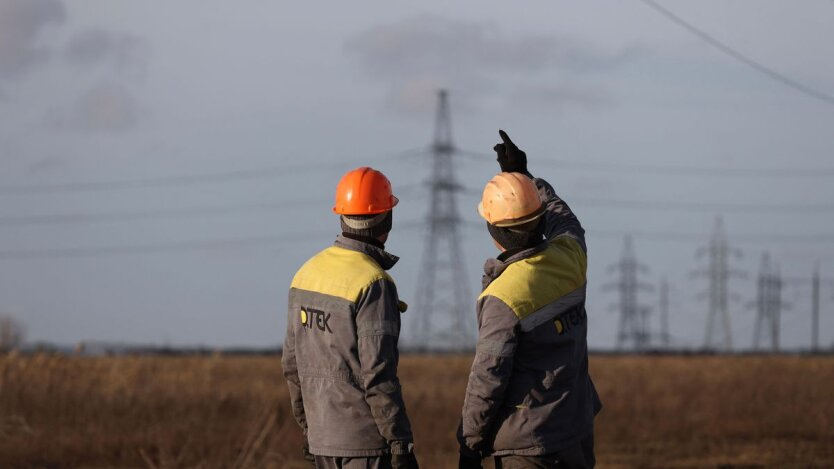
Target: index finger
x=506, y=138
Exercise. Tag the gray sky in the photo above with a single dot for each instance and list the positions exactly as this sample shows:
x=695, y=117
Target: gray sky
x=119, y=90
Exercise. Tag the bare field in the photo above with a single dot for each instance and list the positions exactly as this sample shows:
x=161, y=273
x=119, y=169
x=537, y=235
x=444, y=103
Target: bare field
x=163, y=412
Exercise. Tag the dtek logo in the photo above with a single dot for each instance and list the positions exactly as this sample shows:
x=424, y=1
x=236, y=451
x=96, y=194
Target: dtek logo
x=313, y=317
x=570, y=319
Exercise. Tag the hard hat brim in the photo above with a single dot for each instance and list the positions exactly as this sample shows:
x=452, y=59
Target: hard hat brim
x=513, y=221
x=394, y=202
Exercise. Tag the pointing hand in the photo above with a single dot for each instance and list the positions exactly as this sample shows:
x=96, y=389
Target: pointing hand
x=510, y=158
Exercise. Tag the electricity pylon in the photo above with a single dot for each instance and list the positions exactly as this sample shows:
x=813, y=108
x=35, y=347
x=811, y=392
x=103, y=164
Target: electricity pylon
x=768, y=303
x=11, y=333
x=718, y=273
x=814, y=281
x=663, y=312
x=633, y=316
x=443, y=300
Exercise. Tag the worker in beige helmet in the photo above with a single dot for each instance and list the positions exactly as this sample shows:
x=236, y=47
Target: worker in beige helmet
x=340, y=353
x=530, y=402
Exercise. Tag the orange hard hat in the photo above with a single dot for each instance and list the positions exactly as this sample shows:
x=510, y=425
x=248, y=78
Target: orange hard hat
x=364, y=191
x=510, y=199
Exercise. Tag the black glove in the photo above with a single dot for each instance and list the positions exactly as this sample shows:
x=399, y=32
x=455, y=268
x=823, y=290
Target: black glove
x=469, y=460
x=404, y=461
x=305, y=450
x=510, y=158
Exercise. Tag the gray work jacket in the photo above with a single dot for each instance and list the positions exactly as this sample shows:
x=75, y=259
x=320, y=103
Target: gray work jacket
x=529, y=392
x=340, y=353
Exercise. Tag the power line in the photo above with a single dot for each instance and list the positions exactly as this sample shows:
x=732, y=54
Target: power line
x=758, y=66
x=175, y=213
x=189, y=245
x=677, y=170
x=700, y=206
x=745, y=237
x=193, y=179
x=155, y=247
x=716, y=171
x=632, y=204
x=196, y=212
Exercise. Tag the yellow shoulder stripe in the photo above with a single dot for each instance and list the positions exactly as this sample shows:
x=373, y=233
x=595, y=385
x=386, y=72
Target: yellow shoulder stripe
x=533, y=283
x=339, y=272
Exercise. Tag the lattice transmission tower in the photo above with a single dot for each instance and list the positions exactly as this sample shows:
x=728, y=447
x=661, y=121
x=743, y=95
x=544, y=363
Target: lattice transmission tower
x=444, y=306
x=719, y=273
x=768, y=304
x=634, y=325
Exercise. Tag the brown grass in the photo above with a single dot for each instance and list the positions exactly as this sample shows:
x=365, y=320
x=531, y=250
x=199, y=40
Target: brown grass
x=164, y=412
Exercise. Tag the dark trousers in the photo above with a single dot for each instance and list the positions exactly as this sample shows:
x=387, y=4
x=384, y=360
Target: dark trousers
x=331, y=462
x=579, y=456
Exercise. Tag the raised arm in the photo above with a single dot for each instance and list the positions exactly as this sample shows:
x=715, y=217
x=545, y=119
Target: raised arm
x=559, y=219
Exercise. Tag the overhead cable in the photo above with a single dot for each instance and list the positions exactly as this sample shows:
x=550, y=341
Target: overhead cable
x=265, y=172
x=255, y=241
x=666, y=169
x=173, y=213
x=747, y=237
x=780, y=208
x=758, y=66
x=191, y=245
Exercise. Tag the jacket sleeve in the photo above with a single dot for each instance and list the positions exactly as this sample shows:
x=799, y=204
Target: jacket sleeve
x=378, y=330
x=490, y=374
x=559, y=218
x=290, y=368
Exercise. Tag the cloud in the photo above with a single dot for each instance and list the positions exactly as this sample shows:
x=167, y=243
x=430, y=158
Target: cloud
x=478, y=62
x=107, y=107
x=21, y=24
x=557, y=96
x=125, y=53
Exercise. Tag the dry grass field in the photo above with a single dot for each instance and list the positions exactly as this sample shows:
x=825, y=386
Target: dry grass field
x=229, y=412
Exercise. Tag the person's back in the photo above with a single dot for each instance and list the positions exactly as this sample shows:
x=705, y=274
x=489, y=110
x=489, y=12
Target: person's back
x=548, y=386
x=530, y=401
x=340, y=353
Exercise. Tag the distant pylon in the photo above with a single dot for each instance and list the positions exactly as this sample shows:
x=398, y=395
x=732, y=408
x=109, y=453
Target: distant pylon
x=443, y=299
x=11, y=333
x=663, y=312
x=815, y=282
x=768, y=303
x=633, y=316
x=718, y=273
x=815, y=309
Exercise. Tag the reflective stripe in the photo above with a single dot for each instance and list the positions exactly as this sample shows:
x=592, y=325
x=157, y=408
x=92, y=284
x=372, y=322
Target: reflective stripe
x=549, y=312
x=373, y=328
x=492, y=347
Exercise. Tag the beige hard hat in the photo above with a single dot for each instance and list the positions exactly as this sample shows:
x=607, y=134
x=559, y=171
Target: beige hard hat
x=510, y=199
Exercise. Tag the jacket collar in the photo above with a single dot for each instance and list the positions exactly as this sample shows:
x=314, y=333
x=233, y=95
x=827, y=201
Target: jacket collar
x=382, y=257
x=494, y=267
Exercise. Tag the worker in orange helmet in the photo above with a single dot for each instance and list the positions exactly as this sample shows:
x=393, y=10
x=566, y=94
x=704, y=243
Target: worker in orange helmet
x=530, y=401
x=340, y=353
